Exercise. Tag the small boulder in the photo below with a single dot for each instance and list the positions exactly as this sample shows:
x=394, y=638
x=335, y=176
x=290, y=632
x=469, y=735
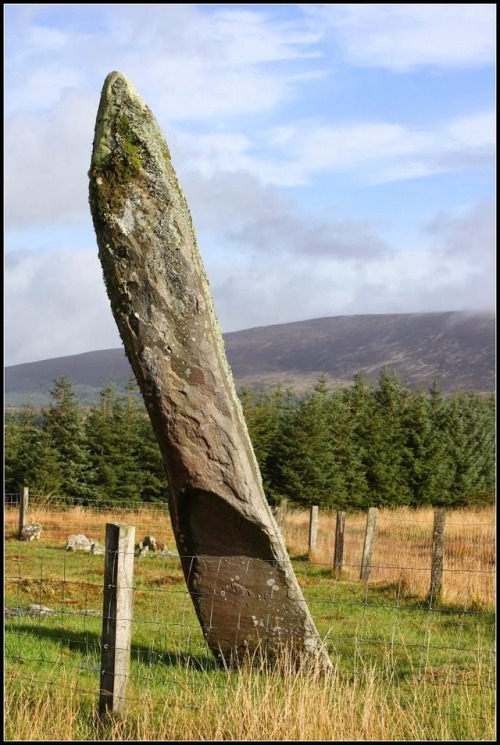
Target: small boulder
x=150, y=542
x=78, y=542
x=31, y=532
x=36, y=609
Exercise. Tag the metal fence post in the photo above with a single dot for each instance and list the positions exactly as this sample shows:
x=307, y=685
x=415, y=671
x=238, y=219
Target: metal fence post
x=116, y=616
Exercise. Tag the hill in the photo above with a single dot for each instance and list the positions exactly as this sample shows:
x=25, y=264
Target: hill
x=456, y=347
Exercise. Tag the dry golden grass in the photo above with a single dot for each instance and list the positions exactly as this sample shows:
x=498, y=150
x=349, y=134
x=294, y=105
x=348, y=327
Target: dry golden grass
x=401, y=555
x=59, y=523
x=262, y=704
x=402, y=550
x=429, y=703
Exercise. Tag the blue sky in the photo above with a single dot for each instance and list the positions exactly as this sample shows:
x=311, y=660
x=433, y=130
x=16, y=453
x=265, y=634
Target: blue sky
x=338, y=159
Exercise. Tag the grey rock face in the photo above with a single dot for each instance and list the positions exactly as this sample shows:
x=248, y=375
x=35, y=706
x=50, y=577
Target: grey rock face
x=31, y=532
x=80, y=542
x=233, y=555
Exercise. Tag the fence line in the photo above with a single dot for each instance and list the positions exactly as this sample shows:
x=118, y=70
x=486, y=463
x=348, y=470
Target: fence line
x=54, y=613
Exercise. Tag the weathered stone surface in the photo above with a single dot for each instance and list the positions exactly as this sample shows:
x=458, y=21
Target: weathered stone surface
x=31, y=532
x=80, y=542
x=233, y=555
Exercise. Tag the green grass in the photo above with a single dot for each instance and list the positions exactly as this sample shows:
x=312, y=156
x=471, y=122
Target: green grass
x=433, y=666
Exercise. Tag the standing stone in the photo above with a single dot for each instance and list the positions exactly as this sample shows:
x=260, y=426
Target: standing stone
x=233, y=555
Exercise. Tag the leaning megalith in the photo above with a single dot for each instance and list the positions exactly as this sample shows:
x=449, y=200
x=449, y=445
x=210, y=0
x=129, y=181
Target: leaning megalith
x=234, y=559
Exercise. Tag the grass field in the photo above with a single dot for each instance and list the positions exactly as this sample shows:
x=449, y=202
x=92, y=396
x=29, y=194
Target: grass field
x=402, y=670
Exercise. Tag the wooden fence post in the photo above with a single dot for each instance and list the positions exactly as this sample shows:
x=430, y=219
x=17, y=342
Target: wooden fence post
x=436, y=588
x=23, y=507
x=338, y=551
x=371, y=524
x=116, y=615
x=281, y=514
x=313, y=530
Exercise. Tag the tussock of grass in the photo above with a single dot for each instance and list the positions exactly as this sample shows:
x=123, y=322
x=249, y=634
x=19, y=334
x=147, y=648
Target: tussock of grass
x=269, y=704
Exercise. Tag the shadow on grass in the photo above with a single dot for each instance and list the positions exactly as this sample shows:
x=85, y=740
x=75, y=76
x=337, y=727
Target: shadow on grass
x=85, y=642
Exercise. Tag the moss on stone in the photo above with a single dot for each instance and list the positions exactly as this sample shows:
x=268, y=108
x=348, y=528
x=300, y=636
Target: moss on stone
x=129, y=148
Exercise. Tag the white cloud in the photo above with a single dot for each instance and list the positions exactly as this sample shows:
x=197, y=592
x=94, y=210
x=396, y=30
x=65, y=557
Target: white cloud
x=188, y=62
x=373, y=152
x=47, y=157
x=403, y=36
x=398, y=283
x=235, y=90
x=468, y=232
x=473, y=131
x=56, y=305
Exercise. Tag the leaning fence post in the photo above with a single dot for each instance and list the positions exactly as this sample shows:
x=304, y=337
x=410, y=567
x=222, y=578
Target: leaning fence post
x=116, y=615
x=313, y=530
x=338, y=552
x=436, y=587
x=23, y=507
x=371, y=524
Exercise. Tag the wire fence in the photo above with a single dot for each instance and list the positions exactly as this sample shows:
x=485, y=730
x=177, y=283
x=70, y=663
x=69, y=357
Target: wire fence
x=54, y=598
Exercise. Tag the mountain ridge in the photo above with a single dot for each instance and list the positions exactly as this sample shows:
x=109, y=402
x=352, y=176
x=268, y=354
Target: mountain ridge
x=455, y=347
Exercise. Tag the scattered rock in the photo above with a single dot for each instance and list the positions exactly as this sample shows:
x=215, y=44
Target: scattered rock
x=10, y=611
x=168, y=553
x=31, y=532
x=43, y=610
x=80, y=542
x=150, y=542
x=39, y=610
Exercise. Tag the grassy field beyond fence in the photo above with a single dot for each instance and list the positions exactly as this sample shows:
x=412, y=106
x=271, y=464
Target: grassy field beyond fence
x=404, y=669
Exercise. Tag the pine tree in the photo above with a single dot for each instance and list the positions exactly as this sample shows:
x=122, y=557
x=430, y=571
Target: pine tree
x=359, y=399
x=310, y=474
x=429, y=464
x=389, y=482
x=154, y=487
x=488, y=448
x=347, y=453
x=63, y=424
x=124, y=451
x=264, y=412
x=470, y=448
x=30, y=458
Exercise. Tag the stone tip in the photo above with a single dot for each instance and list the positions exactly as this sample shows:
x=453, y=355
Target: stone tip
x=116, y=75
x=124, y=82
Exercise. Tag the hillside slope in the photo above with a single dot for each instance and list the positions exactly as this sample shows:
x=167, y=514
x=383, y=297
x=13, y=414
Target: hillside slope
x=458, y=348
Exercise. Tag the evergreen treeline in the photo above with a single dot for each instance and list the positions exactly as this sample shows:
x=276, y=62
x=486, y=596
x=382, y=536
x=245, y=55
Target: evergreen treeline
x=348, y=448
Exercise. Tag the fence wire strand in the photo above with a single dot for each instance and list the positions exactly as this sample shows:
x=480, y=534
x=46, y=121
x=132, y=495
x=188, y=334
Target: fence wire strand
x=54, y=615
